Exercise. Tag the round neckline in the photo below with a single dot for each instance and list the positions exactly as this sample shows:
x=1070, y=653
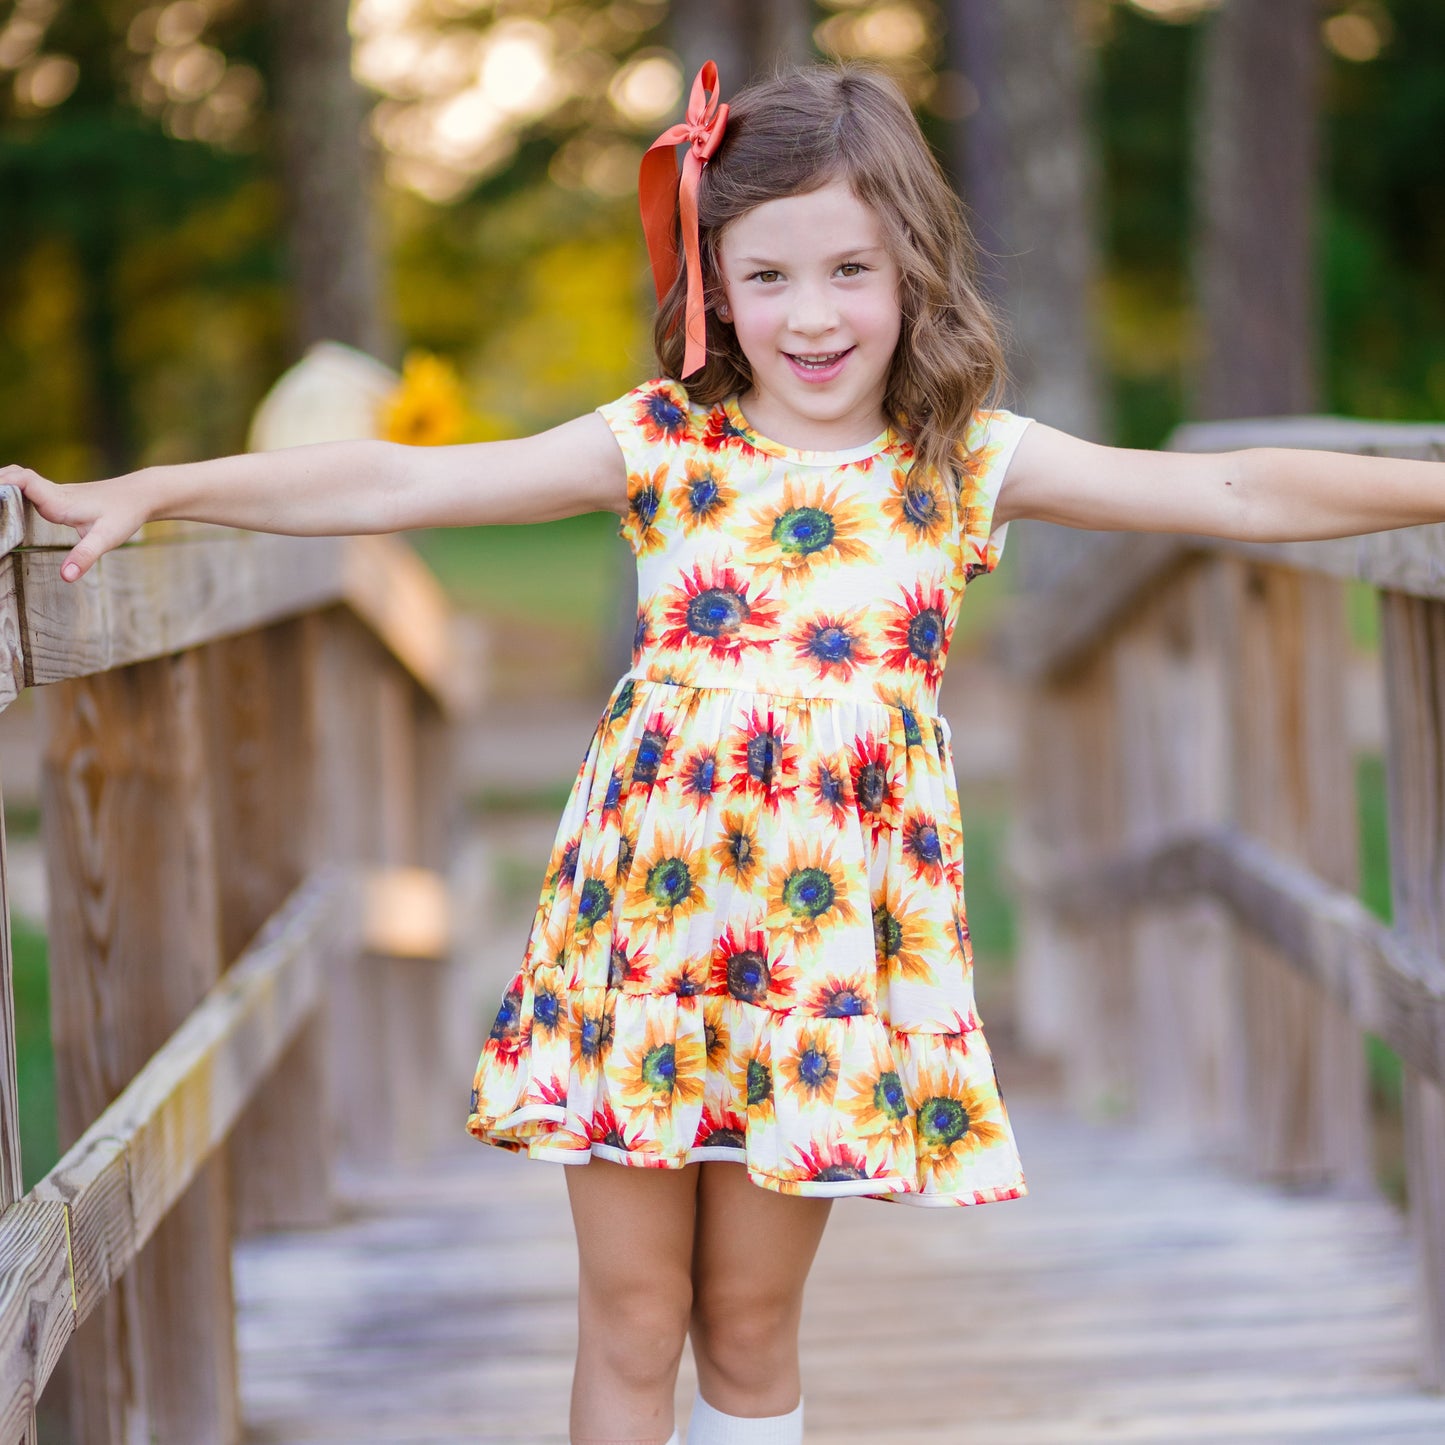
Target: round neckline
x=807, y=455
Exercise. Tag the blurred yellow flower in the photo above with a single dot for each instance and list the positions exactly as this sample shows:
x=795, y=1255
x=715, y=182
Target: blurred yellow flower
x=428, y=407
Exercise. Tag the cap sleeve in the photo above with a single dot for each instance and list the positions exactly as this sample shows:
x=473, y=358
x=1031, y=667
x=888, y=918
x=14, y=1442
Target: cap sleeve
x=652, y=423
x=990, y=443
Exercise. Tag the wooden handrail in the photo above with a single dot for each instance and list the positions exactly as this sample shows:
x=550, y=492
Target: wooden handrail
x=182, y=584
x=1387, y=982
x=1186, y=851
x=234, y=722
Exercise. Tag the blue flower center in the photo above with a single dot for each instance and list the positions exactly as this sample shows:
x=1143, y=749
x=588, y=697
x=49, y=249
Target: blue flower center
x=716, y=612
x=760, y=1083
x=595, y=900
x=649, y=755
x=942, y=1121
x=844, y=1003
x=887, y=932
x=814, y=1068
x=702, y=495
x=888, y=1095
x=763, y=757
x=920, y=506
x=830, y=785
x=925, y=634
x=803, y=530
x=831, y=644
x=808, y=892
x=748, y=975
x=870, y=786
x=659, y=1069
x=669, y=882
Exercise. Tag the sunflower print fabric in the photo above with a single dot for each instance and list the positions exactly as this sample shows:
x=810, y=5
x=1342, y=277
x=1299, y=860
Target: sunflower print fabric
x=751, y=942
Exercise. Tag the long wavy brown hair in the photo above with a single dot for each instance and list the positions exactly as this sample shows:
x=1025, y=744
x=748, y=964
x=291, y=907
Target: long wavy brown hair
x=800, y=131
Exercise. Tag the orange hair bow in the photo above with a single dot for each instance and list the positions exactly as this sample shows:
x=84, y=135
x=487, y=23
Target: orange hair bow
x=664, y=198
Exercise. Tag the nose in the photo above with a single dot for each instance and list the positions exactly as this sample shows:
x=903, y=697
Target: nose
x=813, y=312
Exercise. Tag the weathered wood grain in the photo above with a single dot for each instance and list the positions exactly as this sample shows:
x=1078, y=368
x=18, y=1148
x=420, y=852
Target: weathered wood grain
x=1135, y=1294
x=1284, y=647
x=263, y=753
x=122, y=1178
x=133, y=947
x=1390, y=984
x=144, y=600
x=1413, y=644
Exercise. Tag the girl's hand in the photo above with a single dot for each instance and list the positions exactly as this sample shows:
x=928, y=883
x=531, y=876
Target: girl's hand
x=105, y=514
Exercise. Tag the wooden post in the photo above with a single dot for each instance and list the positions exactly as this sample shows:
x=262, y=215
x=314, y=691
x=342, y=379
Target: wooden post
x=1413, y=647
x=386, y=1009
x=1294, y=789
x=12, y=1185
x=135, y=942
x=1069, y=819
x=260, y=708
x=1173, y=768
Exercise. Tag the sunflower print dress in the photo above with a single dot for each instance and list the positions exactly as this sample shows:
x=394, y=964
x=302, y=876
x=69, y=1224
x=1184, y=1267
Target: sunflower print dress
x=751, y=942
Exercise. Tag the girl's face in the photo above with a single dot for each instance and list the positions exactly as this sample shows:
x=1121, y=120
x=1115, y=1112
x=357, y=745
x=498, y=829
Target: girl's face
x=812, y=293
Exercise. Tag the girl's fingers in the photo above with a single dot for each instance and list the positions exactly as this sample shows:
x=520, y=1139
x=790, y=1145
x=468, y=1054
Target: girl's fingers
x=83, y=556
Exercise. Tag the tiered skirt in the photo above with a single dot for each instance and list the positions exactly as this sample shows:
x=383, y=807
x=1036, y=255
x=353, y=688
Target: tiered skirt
x=752, y=945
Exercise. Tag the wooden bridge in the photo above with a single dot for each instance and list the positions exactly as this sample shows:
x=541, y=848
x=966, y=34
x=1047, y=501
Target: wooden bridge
x=268, y=1225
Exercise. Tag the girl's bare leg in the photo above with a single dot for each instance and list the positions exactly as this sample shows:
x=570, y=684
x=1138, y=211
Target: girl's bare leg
x=634, y=1248
x=751, y=1257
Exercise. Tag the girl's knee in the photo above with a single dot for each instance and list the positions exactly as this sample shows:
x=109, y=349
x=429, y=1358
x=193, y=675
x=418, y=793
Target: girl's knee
x=749, y=1341
x=638, y=1327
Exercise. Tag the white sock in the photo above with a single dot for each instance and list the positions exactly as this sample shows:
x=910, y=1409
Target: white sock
x=673, y=1439
x=709, y=1426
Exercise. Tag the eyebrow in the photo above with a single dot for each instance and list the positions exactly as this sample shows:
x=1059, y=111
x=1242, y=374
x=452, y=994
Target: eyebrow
x=836, y=256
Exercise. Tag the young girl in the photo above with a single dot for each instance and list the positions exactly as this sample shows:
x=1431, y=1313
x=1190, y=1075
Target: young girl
x=748, y=986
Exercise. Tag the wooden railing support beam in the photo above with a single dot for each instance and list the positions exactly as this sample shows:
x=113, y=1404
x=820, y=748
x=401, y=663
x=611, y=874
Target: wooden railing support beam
x=1413, y=644
x=1293, y=789
x=135, y=943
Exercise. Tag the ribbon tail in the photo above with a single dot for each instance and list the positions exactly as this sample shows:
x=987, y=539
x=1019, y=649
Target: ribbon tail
x=695, y=353
x=657, y=197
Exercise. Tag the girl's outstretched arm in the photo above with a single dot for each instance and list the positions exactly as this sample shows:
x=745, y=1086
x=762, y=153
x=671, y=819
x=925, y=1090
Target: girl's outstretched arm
x=345, y=488
x=1257, y=494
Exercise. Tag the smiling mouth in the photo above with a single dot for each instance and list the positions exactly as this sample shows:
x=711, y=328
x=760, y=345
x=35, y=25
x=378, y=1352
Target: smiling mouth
x=818, y=360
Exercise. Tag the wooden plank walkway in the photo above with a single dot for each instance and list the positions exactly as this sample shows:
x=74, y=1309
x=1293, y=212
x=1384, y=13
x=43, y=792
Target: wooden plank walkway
x=1133, y=1296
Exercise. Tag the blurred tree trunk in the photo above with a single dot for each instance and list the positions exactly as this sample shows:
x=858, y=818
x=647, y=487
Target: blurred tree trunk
x=327, y=179
x=1257, y=162
x=1024, y=153
x=747, y=38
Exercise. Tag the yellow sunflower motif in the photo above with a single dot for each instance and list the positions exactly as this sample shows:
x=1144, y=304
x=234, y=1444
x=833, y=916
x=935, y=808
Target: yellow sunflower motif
x=954, y=1120
x=591, y=1035
x=810, y=1070
x=736, y=853
x=903, y=937
x=592, y=921
x=665, y=885
x=619, y=711
x=644, y=501
x=716, y=1031
x=663, y=1070
x=687, y=979
x=702, y=497
x=809, y=894
x=810, y=525
x=750, y=1078
x=918, y=506
x=878, y=1105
